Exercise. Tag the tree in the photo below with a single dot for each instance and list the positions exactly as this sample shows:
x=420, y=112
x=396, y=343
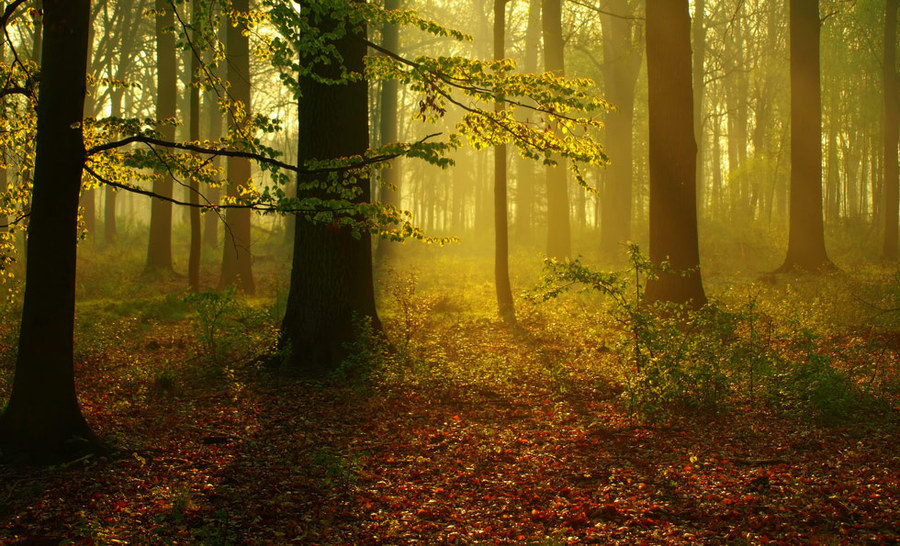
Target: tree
x=673, y=156
x=806, y=236
x=159, y=249
x=525, y=168
x=236, y=257
x=196, y=229
x=559, y=238
x=622, y=62
x=891, y=127
x=390, y=92
x=332, y=291
x=501, y=222
x=42, y=421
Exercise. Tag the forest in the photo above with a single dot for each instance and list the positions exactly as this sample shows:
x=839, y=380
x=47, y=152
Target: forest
x=449, y=271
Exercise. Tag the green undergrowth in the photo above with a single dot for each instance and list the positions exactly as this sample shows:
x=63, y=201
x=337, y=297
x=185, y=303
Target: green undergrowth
x=819, y=347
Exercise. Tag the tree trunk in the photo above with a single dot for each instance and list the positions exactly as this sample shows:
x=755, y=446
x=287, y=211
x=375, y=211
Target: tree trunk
x=673, y=156
x=110, y=233
x=891, y=125
x=391, y=177
x=501, y=222
x=331, y=278
x=698, y=30
x=622, y=61
x=159, y=250
x=559, y=237
x=42, y=422
x=236, y=257
x=526, y=175
x=806, y=238
x=194, y=135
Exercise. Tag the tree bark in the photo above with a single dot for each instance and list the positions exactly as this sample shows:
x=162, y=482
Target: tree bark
x=194, y=135
x=159, y=250
x=501, y=222
x=43, y=422
x=673, y=156
x=622, y=61
x=891, y=126
x=806, y=237
x=332, y=288
x=236, y=257
x=391, y=176
x=559, y=234
x=698, y=31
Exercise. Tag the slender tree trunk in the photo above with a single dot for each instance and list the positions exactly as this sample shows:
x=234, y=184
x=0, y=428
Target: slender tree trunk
x=236, y=257
x=559, y=235
x=698, y=30
x=159, y=250
x=526, y=175
x=391, y=177
x=332, y=288
x=88, y=200
x=620, y=70
x=110, y=233
x=4, y=181
x=42, y=422
x=891, y=125
x=211, y=220
x=501, y=222
x=673, y=156
x=806, y=239
x=194, y=130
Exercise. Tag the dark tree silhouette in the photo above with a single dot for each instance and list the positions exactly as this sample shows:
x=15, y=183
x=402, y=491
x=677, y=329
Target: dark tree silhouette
x=331, y=276
x=43, y=422
x=673, y=156
x=806, y=238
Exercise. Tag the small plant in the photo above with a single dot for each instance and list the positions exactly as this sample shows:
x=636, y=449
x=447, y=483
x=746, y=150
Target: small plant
x=335, y=469
x=226, y=326
x=365, y=355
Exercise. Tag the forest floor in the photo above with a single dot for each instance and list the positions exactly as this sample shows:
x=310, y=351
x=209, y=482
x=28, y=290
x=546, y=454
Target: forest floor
x=470, y=431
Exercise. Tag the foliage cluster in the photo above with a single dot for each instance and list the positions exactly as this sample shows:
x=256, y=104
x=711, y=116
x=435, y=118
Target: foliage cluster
x=726, y=354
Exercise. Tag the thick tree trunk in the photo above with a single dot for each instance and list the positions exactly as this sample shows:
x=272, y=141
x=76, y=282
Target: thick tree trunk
x=159, y=250
x=501, y=222
x=559, y=237
x=43, y=422
x=673, y=155
x=236, y=257
x=891, y=126
x=806, y=239
x=620, y=69
x=391, y=177
x=331, y=278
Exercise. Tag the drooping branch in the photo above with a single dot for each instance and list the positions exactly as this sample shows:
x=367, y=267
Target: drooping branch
x=352, y=163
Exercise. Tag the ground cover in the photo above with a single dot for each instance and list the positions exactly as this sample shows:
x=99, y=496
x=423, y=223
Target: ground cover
x=469, y=430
